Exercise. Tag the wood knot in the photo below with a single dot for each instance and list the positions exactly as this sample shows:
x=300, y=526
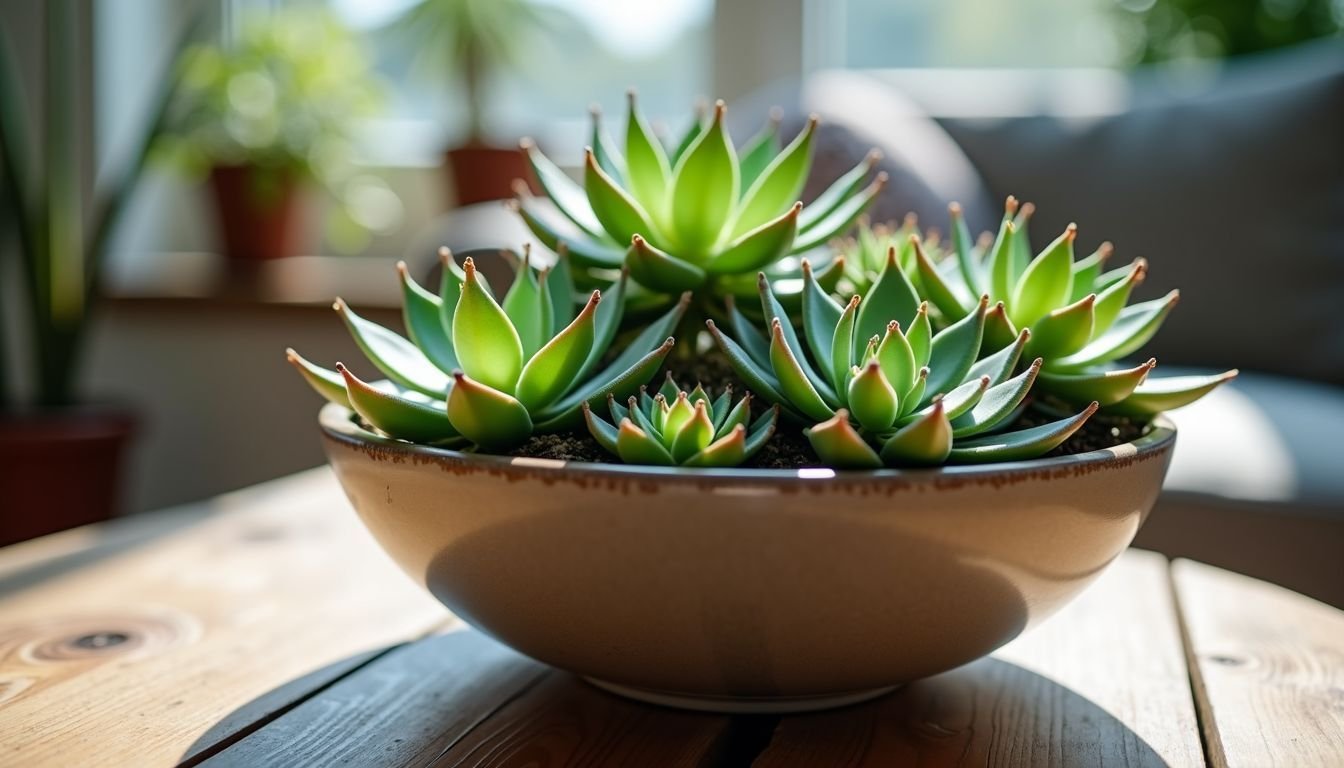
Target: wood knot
x=96, y=638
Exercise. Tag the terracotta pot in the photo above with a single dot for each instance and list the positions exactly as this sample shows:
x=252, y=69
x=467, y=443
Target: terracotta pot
x=479, y=173
x=60, y=469
x=747, y=590
x=259, y=210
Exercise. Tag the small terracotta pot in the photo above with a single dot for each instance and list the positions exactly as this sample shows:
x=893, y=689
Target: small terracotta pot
x=259, y=211
x=479, y=173
x=60, y=468
x=748, y=590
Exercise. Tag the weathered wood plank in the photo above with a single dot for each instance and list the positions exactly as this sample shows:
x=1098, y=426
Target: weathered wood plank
x=564, y=721
x=405, y=708
x=1103, y=683
x=1268, y=669
x=155, y=655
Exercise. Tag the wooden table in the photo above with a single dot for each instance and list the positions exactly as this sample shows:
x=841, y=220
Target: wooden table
x=265, y=628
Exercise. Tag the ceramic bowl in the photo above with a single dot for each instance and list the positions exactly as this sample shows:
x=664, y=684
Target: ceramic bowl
x=747, y=590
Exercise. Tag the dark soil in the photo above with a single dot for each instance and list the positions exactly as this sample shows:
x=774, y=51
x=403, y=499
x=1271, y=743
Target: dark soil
x=570, y=446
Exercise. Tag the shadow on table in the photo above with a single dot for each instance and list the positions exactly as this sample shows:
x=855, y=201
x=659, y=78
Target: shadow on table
x=462, y=696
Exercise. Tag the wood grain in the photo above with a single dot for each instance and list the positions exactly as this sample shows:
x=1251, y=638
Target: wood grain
x=1103, y=683
x=1268, y=669
x=404, y=708
x=165, y=651
x=563, y=721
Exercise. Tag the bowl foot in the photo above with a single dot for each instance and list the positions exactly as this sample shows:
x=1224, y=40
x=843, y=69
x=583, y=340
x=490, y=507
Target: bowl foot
x=742, y=706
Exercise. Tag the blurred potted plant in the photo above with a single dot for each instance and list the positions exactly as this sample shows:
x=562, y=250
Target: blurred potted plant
x=60, y=455
x=471, y=40
x=266, y=115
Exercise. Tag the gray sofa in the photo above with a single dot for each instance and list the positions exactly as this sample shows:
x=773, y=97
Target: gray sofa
x=1231, y=184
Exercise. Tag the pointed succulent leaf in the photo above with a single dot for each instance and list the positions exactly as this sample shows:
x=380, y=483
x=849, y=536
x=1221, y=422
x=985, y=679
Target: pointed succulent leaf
x=606, y=323
x=652, y=337
x=773, y=309
x=398, y=359
x=486, y=342
x=915, y=396
x=940, y=293
x=955, y=350
x=693, y=131
x=1107, y=279
x=1000, y=263
x=567, y=195
x=1156, y=395
x=551, y=371
x=621, y=215
x=892, y=297
x=421, y=312
x=759, y=247
x=759, y=378
x=559, y=289
x=897, y=359
x=604, y=150
x=872, y=400
x=395, y=415
x=1086, y=271
x=794, y=383
x=678, y=414
x=1019, y=445
x=615, y=408
x=1047, y=282
x=760, y=150
x=1063, y=331
x=779, y=184
x=670, y=388
x=587, y=250
x=1111, y=301
x=841, y=189
x=839, y=445
x=522, y=305
x=924, y=442
x=327, y=383
x=694, y=435
x=731, y=417
x=602, y=432
x=997, y=405
x=1107, y=388
x=658, y=270
x=491, y=419
x=1022, y=240
x=821, y=314
x=650, y=173
x=1132, y=329
x=760, y=431
x=727, y=451
x=451, y=278
x=704, y=189
x=999, y=330
x=756, y=345
x=723, y=407
x=920, y=335
x=840, y=218
x=565, y=413
x=957, y=402
x=649, y=414
x=636, y=446
x=841, y=358
x=1000, y=365
x=963, y=248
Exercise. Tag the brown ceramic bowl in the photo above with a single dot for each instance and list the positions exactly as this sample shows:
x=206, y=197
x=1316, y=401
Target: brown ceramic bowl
x=748, y=590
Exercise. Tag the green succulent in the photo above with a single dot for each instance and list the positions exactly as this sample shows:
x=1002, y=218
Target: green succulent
x=673, y=427
x=489, y=373
x=698, y=215
x=878, y=395
x=865, y=254
x=1077, y=310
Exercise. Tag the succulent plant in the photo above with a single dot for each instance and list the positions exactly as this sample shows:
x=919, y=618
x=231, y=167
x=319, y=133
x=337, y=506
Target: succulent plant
x=879, y=395
x=674, y=427
x=865, y=253
x=1078, y=313
x=699, y=215
x=491, y=373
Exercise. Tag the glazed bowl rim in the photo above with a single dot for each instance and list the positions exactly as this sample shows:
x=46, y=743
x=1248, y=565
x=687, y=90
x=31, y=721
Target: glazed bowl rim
x=338, y=424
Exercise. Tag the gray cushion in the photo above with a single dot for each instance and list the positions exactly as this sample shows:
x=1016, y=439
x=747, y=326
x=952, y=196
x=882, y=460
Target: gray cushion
x=1234, y=192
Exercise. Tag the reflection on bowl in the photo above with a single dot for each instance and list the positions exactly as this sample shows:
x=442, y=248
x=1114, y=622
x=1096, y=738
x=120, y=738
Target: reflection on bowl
x=747, y=590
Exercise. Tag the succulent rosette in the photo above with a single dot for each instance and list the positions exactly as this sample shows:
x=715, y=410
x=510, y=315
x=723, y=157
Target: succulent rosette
x=491, y=373
x=676, y=427
x=879, y=394
x=698, y=215
x=1082, y=324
